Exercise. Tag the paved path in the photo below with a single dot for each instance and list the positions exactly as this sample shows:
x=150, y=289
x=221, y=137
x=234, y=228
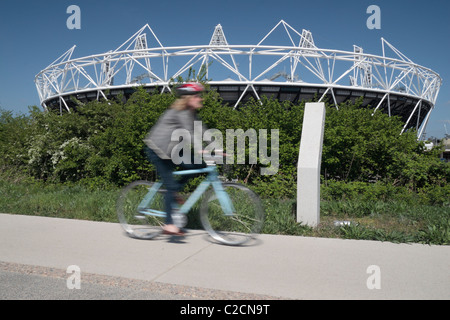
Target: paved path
x=285, y=267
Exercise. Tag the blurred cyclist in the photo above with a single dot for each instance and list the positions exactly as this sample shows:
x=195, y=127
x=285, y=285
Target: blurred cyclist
x=181, y=115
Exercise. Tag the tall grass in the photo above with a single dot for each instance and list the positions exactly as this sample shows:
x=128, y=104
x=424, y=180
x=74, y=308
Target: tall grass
x=395, y=221
x=63, y=201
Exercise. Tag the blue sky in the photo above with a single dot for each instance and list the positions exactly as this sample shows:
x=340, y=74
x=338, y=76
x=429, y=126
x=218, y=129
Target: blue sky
x=34, y=33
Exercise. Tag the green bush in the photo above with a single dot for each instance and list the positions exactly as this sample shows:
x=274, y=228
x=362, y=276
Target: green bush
x=368, y=169
x=103, y=140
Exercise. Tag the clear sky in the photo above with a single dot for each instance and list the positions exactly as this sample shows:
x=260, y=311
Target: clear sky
x=34, y=33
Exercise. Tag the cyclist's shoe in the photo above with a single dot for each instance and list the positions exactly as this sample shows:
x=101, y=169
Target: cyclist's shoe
x=177, y=233
x=173, y=231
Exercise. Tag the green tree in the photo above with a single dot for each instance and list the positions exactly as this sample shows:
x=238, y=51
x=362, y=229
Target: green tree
x=14, y=132
x=360, y=145
x=102, y=143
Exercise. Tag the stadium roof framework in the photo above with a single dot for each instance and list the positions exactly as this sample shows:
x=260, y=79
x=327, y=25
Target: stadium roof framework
x=285, y=64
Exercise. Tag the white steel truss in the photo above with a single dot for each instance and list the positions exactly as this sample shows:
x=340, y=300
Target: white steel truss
x=255, y=69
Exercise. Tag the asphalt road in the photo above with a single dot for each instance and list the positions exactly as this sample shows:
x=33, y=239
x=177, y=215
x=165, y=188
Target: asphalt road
x=47, y=258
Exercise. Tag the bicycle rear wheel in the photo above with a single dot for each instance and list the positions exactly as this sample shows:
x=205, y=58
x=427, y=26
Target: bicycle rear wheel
x=135, y=220
x=236, y=229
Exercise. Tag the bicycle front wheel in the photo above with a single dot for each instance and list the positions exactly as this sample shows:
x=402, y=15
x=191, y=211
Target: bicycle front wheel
x=141, y=222
x=239, y=227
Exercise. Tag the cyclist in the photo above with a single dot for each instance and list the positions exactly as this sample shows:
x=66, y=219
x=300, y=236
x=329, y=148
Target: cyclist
x=181, y=115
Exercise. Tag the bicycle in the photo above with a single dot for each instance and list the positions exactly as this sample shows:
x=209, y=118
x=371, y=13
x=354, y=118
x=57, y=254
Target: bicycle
x=231, y=213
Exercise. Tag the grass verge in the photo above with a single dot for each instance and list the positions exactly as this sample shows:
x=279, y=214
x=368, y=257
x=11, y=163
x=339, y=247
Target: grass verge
x=393, y=221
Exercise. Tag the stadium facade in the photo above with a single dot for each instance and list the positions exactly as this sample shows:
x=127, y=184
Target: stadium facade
x=285, y=64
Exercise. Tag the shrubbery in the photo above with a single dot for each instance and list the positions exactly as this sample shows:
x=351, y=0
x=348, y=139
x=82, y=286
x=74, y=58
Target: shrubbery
x=370, y=172
x=101, y=143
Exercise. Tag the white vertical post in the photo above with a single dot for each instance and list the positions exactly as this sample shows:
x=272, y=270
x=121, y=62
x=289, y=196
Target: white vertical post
x=308, y=168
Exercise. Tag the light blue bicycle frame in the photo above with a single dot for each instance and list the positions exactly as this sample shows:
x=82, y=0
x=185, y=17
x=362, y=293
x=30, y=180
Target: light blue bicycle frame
x=211, y=179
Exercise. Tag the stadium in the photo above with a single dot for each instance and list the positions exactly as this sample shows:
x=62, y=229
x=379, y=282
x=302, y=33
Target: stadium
x=285, y=64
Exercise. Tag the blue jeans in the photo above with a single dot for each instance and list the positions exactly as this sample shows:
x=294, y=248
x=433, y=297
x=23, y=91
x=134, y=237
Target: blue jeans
x=165, y=168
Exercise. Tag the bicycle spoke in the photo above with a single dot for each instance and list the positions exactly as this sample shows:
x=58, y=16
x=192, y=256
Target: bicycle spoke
x=138, y=222
x=236, y=228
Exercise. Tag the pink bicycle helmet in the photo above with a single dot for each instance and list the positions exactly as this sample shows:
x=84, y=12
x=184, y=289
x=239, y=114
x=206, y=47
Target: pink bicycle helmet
x=190, y=88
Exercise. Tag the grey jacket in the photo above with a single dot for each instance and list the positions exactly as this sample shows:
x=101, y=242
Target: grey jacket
x=159, y=139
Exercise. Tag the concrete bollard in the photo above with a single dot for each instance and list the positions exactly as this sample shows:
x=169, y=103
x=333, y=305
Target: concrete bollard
x=308, y=168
